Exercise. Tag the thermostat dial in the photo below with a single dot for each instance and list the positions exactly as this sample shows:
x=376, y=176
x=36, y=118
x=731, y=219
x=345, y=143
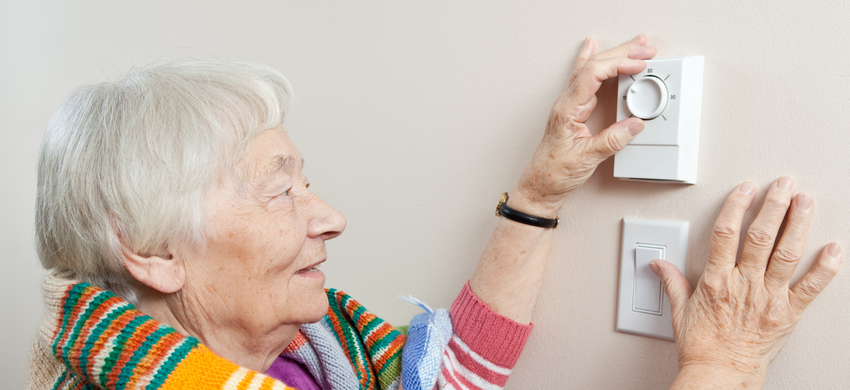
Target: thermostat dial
x=647, y=97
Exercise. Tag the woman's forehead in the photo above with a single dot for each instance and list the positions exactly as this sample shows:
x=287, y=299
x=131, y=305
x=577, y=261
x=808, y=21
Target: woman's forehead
x=270, y=152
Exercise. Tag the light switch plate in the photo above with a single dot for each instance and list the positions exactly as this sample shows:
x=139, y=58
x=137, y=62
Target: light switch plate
x=667, y=149
x=667, y=237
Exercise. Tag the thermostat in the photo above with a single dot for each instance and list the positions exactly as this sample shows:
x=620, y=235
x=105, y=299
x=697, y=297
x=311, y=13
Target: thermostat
x=667, y=95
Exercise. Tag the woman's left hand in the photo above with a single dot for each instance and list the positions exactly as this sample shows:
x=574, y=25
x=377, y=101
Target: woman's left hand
x=569, y=153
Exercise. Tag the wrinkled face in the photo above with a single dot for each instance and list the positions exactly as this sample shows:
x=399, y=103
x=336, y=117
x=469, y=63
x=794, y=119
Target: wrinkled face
x=264, y=241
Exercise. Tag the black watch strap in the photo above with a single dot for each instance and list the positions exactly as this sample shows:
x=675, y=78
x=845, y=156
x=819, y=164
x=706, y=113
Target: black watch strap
x=502, y=210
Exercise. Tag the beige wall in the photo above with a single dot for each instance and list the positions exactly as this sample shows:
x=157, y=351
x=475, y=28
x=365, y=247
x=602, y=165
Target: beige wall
x=415, y=116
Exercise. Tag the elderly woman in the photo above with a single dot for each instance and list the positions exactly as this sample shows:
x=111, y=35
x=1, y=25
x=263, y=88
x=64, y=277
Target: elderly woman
x=184, y=245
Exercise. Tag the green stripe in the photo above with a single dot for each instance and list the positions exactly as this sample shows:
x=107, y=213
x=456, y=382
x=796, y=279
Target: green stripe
x=97, y=333
x=389, y=362
x=71, y=298
x=166, y=368
x=358, y=359
x=73, y=339
x=62, y=379
x=144, y=349
x=120, y=346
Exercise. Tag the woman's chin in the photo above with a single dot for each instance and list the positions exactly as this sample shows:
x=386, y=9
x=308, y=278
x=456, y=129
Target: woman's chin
x=318, y=310
x=314, y=301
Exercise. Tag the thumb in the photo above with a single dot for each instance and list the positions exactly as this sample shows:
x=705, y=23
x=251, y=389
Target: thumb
x=615, y=138
x=675, y=285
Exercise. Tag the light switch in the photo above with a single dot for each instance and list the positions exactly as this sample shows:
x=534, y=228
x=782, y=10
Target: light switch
x=667, y=95
x=647, y=295
x=643, y=308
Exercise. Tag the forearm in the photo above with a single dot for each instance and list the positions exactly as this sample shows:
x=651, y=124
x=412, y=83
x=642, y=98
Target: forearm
x=510, y=272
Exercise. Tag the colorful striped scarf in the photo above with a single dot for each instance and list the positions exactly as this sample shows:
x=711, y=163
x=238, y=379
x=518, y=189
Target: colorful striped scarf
x=98, y=340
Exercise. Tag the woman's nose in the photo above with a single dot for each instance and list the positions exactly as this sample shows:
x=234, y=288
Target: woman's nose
x=326, y=222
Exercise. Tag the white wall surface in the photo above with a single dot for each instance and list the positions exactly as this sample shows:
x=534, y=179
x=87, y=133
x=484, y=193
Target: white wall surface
x=414, y=117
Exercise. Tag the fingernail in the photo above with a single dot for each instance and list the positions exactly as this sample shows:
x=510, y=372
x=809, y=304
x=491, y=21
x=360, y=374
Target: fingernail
x=636, y=127
x=653, y=265
x=637, y=37
x=834, y=251
x=747, y=188
x=804, y=202
x=785, y=183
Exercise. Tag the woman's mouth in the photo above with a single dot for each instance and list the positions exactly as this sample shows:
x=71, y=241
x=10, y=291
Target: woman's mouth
x=310, y=268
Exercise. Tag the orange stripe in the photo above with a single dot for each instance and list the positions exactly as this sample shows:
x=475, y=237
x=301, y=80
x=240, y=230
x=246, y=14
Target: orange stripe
x=379, y=333
x=267, y=383
x=114, y=328
x=392, y=350
x=74, y=316
x=89, y=327
x=201, y=370
x=153, y=358
x=296, y=343
x=246, y=381
x=129, y=348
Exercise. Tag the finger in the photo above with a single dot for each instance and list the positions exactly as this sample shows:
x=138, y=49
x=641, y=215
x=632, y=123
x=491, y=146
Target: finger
x=582, y=113
x=676, y=287
x=613, y=139
x=723, y=248
x=787, y=255
x=761, y=236
x=594, y=72
x=808, y=288
x=636, y=49
x=584, y=54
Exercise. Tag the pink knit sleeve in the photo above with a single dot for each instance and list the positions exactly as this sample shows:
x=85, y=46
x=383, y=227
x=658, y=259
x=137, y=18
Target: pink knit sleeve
x=484, y=347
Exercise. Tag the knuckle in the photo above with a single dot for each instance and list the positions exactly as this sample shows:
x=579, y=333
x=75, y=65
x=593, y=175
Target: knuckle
x=829, y=268
x=786, y=255
x=712, y=285
x=593, y=66
x=725, y=232
x=760, y=238
x=808, y=288
x=613, y=143
x=778, y=201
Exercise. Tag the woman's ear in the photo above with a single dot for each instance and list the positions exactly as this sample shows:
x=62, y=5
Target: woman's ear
x=165, y=275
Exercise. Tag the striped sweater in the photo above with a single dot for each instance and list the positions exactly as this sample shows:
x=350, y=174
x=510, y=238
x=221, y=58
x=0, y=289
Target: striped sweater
x=92, y=339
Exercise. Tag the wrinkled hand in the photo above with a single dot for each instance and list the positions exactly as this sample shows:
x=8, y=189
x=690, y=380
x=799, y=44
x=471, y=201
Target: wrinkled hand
x=569, y=153
x=741, y=315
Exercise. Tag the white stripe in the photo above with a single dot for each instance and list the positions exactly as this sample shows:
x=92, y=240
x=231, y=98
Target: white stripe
x=444, y=384
x=469, y=375
x=278, y=386
x=100, y=359
x=447, y=364
x=256, y=382
x=80, y=318
x=478, y=358
x=235, y=378
x=144, y=381
x=449, y=385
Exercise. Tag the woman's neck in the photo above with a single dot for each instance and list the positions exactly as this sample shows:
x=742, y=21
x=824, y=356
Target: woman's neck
x=253, y=351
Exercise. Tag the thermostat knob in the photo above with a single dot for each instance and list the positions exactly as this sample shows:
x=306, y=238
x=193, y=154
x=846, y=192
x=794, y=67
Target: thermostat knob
x=647, y=97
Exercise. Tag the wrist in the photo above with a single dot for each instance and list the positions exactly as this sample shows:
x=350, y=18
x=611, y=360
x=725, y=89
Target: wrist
x=703, y=376
x=537, y=205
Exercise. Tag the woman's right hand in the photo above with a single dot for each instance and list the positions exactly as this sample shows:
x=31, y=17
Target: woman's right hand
x=569, y=153
x=739, y=317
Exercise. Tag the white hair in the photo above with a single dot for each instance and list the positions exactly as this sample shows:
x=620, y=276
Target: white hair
x=131, y=160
